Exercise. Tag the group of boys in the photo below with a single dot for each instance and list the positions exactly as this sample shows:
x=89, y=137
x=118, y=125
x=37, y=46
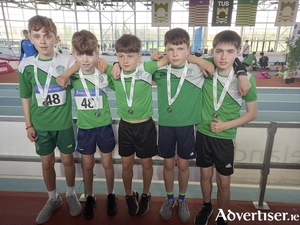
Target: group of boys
x=46, y=102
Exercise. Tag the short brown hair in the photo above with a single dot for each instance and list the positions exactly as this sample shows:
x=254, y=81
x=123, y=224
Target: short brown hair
x=37, y=23
x=177, y=36
x=128, y=43
x=228, y=36
x=84, y=42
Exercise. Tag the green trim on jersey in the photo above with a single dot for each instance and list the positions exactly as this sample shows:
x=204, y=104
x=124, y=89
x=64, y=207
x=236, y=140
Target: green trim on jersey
x=43, y=118
x=86, y=119
x=186, y=109
x=142, y=96
x=230, y=108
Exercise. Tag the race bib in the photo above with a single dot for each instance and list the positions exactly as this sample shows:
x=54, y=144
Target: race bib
x=83, y=102
x=56, y=96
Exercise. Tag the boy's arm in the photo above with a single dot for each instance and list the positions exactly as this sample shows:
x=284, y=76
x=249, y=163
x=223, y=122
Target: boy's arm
x=204, y=65
x=62, y=80
x=251, y=113
x=101, y=65
x=30, y=129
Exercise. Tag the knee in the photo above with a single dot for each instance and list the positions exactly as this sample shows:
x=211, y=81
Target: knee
x=183, y=165
x=68, y=160
x=127, y=167
x=107, y=164
x=147, y=165
x=48, y=165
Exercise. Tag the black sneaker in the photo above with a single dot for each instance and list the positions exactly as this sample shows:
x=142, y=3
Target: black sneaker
x=144, y=204
x=112, y=207
x=88, y=211
x=220, y=221
x=203, y=216
x=132, y=203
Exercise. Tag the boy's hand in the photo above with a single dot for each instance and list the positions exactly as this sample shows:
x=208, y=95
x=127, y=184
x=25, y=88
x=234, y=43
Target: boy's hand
x=239, y=67
x=62, y=81
x=101, y=65
x=31, y=134
x=156, y=55
x=116, y=70
x=217, y=126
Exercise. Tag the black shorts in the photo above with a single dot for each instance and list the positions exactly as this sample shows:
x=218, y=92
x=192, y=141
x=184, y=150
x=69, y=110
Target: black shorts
x=210, y=151
x=181, y=139
x=139, y=138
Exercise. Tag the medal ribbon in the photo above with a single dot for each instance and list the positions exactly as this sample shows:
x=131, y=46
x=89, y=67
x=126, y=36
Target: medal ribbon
x=86, y=90
x=44, y=92
x=217, y=104
x=130, y=98
x=183, y=76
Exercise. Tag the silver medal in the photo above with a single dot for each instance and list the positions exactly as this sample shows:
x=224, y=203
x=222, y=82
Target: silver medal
x=130, y=111
x=169, y=110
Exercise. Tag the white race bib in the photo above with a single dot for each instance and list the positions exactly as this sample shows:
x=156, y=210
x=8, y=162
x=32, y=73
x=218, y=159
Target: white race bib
x=56, y=96
x=85, y=103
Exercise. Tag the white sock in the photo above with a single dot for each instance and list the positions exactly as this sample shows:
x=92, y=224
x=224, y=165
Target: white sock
x=53, y=194
x=70, y=191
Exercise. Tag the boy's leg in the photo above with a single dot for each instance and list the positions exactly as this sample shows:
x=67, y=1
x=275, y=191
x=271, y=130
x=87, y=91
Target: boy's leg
x=45, y=146
x=88, y=163
x=147, y=174
x=107, y=163
x=183, y=179
x=132, y=197
x=223, y=194
x=72, y=200
x=147, y=178
x=127, y=173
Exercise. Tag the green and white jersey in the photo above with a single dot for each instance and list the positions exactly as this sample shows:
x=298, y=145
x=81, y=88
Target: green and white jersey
x=186, y=109
x=142, y=93
x=230, y=107
x=58, y=114
x=88, y=116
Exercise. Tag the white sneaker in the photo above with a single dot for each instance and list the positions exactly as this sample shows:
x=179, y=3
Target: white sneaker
x=50, y=206
x=74, y=205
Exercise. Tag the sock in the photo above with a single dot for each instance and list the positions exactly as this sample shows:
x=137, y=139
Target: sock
x=53, y=194
x=170, y=195
x=70, y=191
x=207, y=205
x=181, y=196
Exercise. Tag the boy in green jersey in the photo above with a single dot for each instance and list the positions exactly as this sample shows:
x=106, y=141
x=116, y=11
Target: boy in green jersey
x=220, y=118
x=93, y=118
x=47, y=111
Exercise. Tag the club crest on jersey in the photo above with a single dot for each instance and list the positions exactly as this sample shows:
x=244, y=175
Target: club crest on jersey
x=60, y=69
x=189, y=72
x=101, y=78
x=139, y=74
x=233, y=85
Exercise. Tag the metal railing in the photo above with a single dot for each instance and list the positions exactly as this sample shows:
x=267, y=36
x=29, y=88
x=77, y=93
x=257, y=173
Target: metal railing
x=264, y=167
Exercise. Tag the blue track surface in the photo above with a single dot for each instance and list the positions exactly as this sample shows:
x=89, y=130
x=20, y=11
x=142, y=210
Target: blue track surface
x=274, y=104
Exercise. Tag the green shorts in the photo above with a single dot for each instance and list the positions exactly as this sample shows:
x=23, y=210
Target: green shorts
x=48, y=140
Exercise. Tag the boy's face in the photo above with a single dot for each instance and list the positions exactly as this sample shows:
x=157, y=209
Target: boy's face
x=86, y=62
x=128, y=61
x=177, y=54
x=224, y=55
x=44, y=43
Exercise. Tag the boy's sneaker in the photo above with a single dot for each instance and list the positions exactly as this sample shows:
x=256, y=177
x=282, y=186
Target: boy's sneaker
x=144, y=204
x=183, y=211
x=133, y=203
x=165, y=211
x=50, y=206
x=203, y=216
x=88, y=211
x=111, y=203
x=220, y=221
x=74, y=205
